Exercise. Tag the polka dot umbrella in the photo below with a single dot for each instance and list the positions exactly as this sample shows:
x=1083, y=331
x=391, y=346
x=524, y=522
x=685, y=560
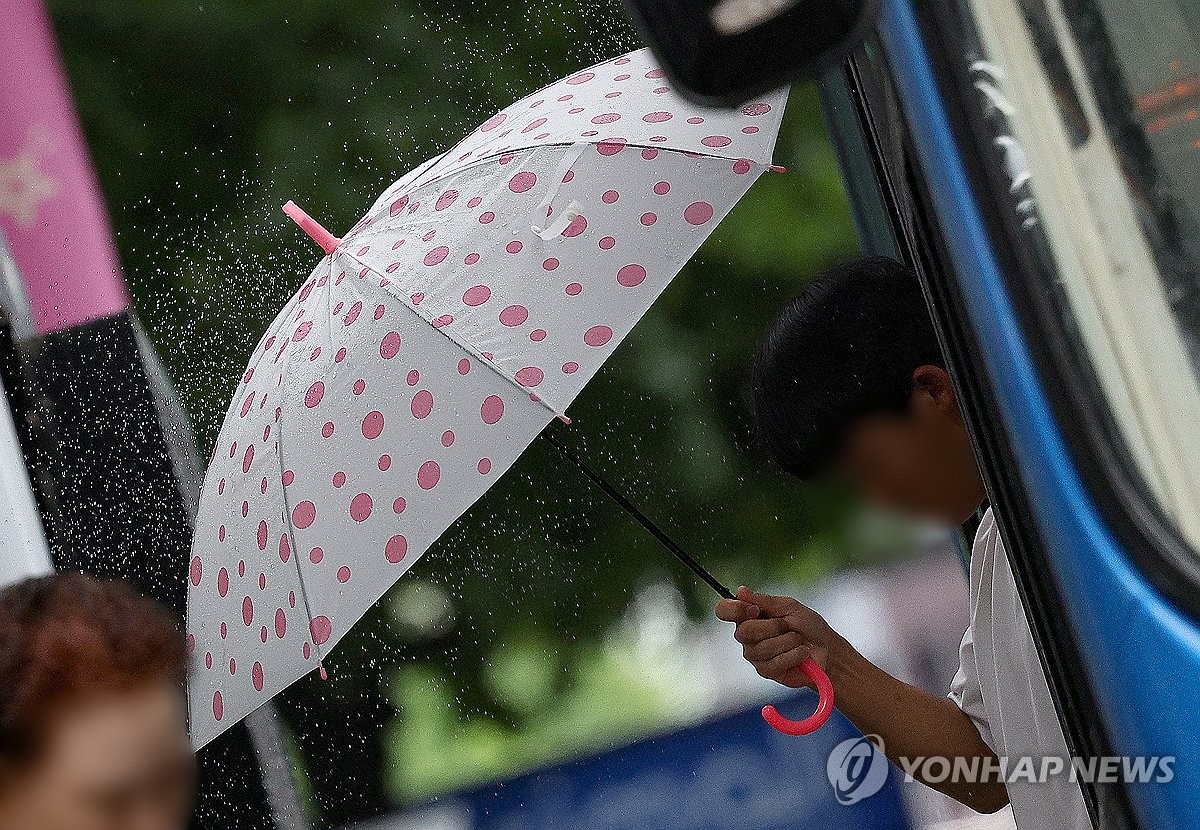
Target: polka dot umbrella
x=431, y=345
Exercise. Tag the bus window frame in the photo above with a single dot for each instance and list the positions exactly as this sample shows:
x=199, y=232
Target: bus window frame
x=1155, y=549
x=1077, y=399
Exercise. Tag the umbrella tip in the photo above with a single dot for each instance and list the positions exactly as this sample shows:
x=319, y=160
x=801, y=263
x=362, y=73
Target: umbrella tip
x=312, y=227
x=324, y=674
x=778, y=168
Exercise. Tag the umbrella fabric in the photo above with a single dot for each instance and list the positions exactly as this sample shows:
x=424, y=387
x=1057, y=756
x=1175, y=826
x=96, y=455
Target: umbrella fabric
x=465, y=311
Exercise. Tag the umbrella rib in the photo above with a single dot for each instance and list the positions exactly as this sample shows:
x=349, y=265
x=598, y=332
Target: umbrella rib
x=287, y=506
x=636, y=145
x=457, y=340
x=526, y=97
x=455, y=170
x=551, y=85
x=461, y=342
x=291, y=531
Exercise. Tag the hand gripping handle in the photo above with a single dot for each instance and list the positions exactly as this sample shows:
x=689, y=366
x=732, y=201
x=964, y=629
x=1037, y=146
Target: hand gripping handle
x=824, y=704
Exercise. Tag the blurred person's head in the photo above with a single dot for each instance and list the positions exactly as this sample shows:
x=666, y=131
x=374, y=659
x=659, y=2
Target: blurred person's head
x=850, y=382
x=93, y=732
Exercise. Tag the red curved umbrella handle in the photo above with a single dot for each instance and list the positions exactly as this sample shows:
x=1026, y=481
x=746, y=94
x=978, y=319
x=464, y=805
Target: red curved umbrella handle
x=824, y=704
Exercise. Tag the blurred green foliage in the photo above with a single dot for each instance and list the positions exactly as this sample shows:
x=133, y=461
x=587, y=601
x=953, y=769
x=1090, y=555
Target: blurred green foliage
x=204, y=116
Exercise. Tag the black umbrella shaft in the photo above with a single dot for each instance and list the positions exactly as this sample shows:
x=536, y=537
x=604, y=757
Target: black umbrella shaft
x=641, y=518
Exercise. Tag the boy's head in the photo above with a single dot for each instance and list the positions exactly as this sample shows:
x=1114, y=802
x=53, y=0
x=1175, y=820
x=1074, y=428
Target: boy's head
x=849, y=380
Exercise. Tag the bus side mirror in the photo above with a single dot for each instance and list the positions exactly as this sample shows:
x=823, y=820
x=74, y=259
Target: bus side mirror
x=724, y=52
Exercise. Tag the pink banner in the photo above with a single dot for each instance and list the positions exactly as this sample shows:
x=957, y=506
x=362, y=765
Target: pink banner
x=51, y=211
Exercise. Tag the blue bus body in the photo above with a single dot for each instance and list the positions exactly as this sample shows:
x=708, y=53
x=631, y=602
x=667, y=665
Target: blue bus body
x=1138, y=650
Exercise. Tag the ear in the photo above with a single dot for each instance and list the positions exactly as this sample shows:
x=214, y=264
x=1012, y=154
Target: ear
x=934, y=382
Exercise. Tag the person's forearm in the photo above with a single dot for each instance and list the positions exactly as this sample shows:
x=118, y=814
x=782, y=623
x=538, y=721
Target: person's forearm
x=912, y=723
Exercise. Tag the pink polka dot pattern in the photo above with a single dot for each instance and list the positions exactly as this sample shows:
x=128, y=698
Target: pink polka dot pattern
x=514, y=315
x=522, y=181
x=625, y=220
x=697, y=213
x=477, y=295
x=631, y=275
x=250, y=606
x=419, y=359
x=597, y=335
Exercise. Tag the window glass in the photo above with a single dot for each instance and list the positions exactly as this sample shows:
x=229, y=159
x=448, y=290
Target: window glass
x=1095, y=113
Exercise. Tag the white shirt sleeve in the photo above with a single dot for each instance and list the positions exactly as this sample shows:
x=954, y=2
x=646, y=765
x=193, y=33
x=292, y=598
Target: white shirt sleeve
x=966, y=692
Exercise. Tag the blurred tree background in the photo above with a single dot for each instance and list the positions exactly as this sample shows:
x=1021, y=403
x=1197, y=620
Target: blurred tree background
x=491, y=656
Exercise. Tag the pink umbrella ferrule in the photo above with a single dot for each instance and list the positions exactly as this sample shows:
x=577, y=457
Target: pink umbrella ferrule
x=312, y=227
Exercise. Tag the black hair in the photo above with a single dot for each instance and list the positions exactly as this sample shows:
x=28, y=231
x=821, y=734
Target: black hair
x=845, y=348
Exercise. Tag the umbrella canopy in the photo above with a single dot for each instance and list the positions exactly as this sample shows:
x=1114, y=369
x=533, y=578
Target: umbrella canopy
x=431, y=345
